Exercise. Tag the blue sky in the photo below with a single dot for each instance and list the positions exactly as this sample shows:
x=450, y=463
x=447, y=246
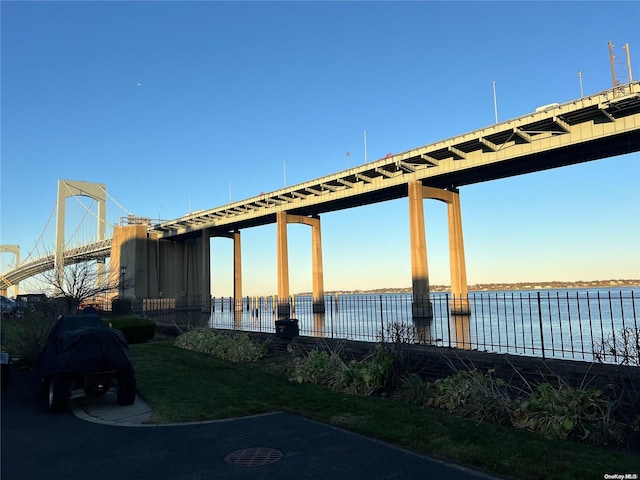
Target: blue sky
x=180, y=106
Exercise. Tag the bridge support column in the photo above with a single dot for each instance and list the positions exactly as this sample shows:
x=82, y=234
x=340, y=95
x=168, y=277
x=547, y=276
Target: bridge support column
x=316, y=267
x=205, y=294
x=316, y=259
x=283, y=262
x=161, y=268
x=459, y=306
x=421, y=303
x=421, y=308
x=237, y=270
x=284, y=308
x=237, y=266
x=459, y=288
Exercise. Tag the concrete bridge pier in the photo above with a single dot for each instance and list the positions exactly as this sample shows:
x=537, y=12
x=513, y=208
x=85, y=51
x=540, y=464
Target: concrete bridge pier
x=237, y=267
x=282, y=219
x=205, y=283
x=156, y=268
x=459, y=289
x=422, y=308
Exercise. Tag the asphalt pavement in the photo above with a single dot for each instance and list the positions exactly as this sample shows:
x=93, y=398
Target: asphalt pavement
x=101, y=440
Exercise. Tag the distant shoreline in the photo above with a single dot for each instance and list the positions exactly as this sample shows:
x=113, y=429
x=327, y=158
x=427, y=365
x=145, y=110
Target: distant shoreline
x=479, y=287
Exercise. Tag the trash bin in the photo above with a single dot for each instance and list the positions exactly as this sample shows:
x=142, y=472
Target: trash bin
x=287, y=328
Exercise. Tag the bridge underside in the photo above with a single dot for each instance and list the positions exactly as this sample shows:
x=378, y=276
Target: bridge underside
x=624, y=143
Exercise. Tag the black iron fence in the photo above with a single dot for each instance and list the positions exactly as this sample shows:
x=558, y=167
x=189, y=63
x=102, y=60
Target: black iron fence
x=591, y=325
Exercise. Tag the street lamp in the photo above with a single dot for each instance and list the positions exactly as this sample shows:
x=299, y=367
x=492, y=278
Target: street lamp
x=123, y=270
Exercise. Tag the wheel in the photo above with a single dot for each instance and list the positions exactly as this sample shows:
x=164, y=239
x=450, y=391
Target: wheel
x=45, y=383
x=59, y=394
x=126, y=394
x=4, y=375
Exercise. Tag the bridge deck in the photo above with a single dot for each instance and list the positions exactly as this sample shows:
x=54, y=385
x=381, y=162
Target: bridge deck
x=598, y=126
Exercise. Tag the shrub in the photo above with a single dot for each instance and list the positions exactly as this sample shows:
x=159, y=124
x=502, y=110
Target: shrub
x=397, y=332
x=317, y=367
x=413, y=390
x=361, y=377
x=24, y=338
x=135, y=329
x=121, y=306
x=623, y=346
x=473, y=395
x=566, y=412
x=366, y=376
x=235, y=348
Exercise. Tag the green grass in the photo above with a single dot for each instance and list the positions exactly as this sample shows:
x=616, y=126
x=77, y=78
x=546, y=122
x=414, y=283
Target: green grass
x=183, y=386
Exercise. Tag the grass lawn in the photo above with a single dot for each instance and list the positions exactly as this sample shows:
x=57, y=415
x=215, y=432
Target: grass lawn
x=183, y=386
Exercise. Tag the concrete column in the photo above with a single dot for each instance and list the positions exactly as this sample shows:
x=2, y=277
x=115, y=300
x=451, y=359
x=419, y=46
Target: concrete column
x=459, y=289
x=58, y=259
x=421, y=306
x=316, y=259
x=284, y=308
x=316, y=267
x=129, y=249
x=205, y=296
x=237, y=270
x=459, y=306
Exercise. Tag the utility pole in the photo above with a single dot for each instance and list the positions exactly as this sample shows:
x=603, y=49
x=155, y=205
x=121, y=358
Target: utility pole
x=365, y=146
x=612, y=59
x=580, y=78
x=495, y=102
x=626, y=47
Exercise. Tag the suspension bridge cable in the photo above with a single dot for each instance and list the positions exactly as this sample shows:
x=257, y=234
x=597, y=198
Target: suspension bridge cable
x=87, y=211
x=116, y=202
x=35, y=245
x=90, y=211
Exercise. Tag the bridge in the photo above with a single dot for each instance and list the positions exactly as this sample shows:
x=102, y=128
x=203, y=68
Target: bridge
x=170, y=258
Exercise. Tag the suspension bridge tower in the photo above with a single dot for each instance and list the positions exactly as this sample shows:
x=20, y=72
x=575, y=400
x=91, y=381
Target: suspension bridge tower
x=5, y=284
x=71, y=188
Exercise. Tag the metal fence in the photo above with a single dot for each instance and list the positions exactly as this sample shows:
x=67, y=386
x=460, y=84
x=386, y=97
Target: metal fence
x=591, y=325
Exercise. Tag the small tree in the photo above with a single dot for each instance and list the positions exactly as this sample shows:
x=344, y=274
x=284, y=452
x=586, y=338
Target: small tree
x=81, y=282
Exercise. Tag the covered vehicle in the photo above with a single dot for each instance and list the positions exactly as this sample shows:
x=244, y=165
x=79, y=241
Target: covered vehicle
x=9, y=307
x=82, y=356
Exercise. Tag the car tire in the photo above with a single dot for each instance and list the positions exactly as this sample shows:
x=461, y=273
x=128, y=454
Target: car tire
x=45, y=384
x=126, y=394
x=59, y=394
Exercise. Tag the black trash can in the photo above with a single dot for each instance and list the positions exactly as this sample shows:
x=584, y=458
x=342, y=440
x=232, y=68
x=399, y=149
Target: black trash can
x=287, y=328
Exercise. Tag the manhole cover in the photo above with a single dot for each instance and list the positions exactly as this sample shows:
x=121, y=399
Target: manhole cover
x=254, y=457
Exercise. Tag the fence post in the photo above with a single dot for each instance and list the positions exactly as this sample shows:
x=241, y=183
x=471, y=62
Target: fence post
x=381, y=321
x=540, y=320
x=331, y=315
